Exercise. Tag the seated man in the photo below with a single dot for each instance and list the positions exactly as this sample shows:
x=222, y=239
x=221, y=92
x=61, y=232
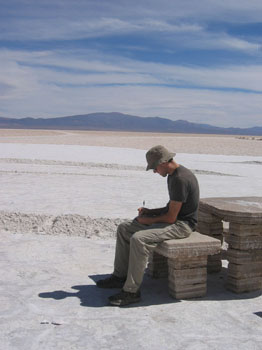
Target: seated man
x=136, y=238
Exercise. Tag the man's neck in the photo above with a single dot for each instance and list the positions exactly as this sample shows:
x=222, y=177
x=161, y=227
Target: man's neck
x=172, y=166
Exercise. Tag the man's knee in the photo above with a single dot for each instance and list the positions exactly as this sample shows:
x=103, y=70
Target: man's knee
x=138, y=243
x=122, y=229
x=137, y=239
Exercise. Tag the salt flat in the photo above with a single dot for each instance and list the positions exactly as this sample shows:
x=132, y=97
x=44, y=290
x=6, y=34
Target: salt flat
x=49, y=301
x=107, y=181
x=48, y=295
x=181, y=143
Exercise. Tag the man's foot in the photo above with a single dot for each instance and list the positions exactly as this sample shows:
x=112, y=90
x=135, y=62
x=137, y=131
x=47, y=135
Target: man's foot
x=111, y=282
x=124, y=298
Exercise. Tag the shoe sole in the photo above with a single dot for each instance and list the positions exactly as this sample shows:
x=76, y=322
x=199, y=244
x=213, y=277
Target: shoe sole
x=119, y=286
x=123, y=303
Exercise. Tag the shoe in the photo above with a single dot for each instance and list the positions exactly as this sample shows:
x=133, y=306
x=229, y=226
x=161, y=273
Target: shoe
x=124, y=298
x=111, y=282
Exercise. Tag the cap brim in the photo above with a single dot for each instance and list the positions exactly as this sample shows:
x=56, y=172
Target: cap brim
x=171, y=155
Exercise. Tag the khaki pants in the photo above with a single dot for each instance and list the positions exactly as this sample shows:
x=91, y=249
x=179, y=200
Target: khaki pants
x=134, y=242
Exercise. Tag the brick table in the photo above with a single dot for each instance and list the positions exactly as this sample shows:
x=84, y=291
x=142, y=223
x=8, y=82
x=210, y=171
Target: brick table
x=244, y=238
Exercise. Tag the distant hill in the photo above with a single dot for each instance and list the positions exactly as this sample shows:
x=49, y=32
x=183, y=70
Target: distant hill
x=122, y=122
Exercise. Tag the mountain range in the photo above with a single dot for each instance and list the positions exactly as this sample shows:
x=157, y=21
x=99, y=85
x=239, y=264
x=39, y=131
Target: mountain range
x=123, y=122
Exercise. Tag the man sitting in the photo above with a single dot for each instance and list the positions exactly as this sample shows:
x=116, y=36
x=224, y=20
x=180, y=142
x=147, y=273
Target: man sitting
x=137, y=237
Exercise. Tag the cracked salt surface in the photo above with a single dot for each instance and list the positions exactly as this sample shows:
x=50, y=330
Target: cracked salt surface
x=106, y=182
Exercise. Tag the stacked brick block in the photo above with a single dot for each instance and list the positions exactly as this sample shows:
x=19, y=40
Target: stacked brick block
x=187, y=264
x=245, y=257
x=187, y=277
x=212, y=226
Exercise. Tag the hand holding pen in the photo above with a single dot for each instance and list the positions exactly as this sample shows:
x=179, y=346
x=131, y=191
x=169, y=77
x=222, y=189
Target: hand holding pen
x=143, y=211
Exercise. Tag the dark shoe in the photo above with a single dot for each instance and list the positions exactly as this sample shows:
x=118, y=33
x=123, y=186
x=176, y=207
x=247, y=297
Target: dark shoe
x=111, y=282
x=124, y=298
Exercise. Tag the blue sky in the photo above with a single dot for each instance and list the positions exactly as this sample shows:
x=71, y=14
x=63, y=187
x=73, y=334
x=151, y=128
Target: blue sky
x=197, y=60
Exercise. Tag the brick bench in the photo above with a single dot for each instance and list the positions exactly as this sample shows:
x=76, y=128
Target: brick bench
x=185, y=263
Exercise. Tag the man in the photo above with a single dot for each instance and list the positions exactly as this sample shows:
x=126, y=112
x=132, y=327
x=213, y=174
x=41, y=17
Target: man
x=136, y=238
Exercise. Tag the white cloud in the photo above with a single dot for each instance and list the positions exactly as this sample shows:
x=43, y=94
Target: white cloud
x=176, y=23
x=62, y=67
x=56, y=83
x=35, y=90
x=63, y=29
x=240, y=10
x=217, y=108
x=172, y=36
x=217, y=10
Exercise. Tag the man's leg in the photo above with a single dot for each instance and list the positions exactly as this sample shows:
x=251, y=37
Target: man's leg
x=140, y=244
x=124, y=232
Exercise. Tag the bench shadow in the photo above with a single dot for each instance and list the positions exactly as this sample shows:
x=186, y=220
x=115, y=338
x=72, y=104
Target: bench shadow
x=154, y=292
x=216, y=289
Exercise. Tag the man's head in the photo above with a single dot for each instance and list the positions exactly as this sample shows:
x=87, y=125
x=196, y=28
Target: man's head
x=157, y=156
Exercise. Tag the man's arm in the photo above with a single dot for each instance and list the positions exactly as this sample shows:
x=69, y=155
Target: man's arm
x=152, y=212
x=169, y=217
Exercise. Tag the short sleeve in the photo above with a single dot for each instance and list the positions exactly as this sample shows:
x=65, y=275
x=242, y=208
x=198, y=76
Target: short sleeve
x=179, y=190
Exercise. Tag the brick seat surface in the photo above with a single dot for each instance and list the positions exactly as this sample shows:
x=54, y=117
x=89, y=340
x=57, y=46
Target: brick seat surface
x=194, y=245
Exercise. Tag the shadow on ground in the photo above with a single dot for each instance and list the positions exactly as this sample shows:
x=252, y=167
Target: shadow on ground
x=92, y=296
x=154, y=292
x=217, y=290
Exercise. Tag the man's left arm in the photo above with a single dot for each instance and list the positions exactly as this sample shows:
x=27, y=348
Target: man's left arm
x=169, y=217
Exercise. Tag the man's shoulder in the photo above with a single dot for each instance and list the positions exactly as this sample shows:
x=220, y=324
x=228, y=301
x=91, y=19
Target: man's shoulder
x=183, y=171
x=184, y=176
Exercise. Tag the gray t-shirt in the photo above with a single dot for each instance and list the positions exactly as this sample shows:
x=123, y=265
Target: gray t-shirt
x=183, y=187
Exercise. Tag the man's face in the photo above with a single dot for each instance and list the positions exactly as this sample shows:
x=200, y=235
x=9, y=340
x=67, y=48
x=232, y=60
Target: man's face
x=161, y=169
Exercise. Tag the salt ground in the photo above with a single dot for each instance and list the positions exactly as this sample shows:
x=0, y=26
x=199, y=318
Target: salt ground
x=51, y=195
x=181, y=143
x=108, y=182
x=49, y=301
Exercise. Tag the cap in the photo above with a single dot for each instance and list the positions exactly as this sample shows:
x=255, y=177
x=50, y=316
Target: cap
x=158, y=155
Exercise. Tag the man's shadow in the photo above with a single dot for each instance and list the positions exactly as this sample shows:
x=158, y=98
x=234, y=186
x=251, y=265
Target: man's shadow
x=89, y=295
x=92, y=296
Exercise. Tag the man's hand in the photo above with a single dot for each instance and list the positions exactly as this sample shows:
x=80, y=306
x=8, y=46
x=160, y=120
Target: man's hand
x=143, y=211
x=146, y=218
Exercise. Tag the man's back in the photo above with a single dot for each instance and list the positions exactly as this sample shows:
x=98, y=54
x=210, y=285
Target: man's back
x=183, y=187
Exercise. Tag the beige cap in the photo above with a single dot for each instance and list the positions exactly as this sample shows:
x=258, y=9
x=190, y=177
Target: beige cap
x=158, y=155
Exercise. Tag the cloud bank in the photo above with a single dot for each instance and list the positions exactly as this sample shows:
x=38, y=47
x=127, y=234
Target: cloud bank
x=199, y=61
